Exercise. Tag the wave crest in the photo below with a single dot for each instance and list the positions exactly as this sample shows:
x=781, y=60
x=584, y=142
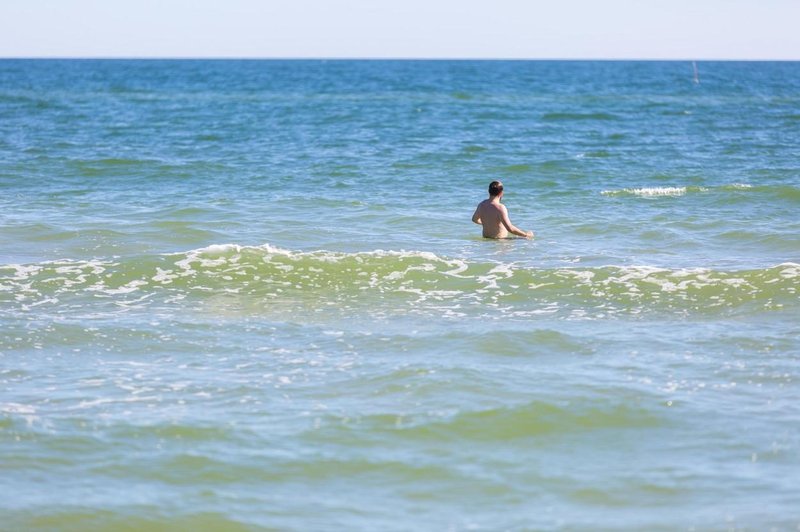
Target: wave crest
x=257, y=278
x=777, y=192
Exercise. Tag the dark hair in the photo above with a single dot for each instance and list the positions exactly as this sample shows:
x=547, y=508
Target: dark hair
x=495, y=188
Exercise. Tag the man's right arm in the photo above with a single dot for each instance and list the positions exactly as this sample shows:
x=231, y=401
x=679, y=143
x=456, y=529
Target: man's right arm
x=513, y=228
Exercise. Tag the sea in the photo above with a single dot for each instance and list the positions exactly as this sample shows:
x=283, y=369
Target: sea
x=248, y=295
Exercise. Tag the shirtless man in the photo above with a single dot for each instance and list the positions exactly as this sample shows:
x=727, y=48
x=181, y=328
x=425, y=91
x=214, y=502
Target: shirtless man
x=493, y=216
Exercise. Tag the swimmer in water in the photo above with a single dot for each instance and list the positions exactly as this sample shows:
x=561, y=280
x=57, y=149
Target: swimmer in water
x=493, y=216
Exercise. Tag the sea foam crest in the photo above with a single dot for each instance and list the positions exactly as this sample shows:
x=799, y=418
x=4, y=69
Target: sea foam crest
x=217, y=254
x=676, y=190
x=647, y=191
x=266, y=278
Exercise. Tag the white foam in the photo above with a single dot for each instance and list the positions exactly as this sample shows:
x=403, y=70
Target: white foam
x=673, y=191
x=127, y=288
x=23, y=272
x=221, y=248
x=583, y=276
x=648, y=191
x=43, y=302
x=460, y=267
x=17, y=408
x=789, y=270
x=394, y=276
x=164, y=276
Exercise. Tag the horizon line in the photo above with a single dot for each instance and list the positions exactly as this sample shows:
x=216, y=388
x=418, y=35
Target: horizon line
x=386, y=58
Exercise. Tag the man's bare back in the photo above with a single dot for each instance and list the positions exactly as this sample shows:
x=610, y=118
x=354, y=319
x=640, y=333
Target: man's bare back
x=493, y=216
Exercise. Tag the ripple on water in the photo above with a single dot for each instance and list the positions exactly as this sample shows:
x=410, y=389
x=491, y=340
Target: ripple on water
x=126, y=518
x=499, y=425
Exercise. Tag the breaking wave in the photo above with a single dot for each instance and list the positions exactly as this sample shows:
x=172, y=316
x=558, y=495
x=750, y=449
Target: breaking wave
x=269, y=279
x=778, y=192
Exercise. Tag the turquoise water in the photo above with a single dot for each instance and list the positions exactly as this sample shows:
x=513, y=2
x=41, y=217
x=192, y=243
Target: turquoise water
x=248, y=295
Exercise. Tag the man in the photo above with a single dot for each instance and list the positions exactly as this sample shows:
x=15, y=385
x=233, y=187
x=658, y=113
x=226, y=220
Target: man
x=493, y=215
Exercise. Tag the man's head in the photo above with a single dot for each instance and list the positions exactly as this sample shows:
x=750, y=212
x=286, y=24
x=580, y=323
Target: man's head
x=495, y=189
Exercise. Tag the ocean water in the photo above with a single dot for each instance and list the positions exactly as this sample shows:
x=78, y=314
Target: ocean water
x=246, y=295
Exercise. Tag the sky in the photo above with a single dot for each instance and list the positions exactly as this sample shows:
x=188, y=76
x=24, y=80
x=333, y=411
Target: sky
x=514, y=29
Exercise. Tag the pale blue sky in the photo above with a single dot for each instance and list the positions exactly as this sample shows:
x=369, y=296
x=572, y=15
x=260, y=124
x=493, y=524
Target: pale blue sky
x=649, y=29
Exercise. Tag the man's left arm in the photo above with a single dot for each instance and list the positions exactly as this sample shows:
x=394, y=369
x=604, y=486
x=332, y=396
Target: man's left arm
x=476, y=217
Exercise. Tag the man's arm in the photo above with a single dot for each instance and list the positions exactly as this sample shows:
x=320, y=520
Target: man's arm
x=513, y=228
x=476, y=218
